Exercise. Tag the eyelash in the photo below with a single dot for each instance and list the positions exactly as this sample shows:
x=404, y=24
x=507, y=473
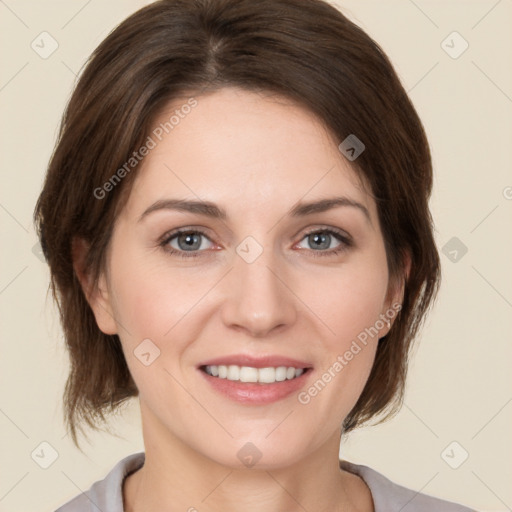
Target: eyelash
x=346, y=243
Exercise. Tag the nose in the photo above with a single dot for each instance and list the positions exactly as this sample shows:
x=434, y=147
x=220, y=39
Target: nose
x=257, y=297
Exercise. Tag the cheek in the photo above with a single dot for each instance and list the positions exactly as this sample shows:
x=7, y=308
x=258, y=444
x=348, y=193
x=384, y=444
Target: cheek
x=151, y=299
x=350, y=300
x=350, y=307
x=162, y=304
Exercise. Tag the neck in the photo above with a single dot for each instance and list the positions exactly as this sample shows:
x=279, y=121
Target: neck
x=176, y=477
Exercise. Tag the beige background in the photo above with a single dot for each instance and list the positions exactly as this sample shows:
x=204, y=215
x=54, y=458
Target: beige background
x=459, y=386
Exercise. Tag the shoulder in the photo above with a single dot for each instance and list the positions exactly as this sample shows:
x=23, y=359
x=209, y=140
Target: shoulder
x=106, y=494
x=390, y=497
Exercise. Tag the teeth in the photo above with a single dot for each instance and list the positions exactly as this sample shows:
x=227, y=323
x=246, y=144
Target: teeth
x=233, y=372
x=281, y=373
x=267, y=375
x=249, y=374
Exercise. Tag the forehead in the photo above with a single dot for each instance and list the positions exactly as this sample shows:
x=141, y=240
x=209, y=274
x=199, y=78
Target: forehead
x=244, y=150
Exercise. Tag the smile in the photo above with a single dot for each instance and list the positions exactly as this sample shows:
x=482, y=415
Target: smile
x=268, y=375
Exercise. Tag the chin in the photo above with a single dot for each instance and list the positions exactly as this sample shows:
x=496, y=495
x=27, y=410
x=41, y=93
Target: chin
x=256, y=452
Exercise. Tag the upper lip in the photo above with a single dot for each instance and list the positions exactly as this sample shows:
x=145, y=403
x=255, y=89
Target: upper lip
x=256, y=361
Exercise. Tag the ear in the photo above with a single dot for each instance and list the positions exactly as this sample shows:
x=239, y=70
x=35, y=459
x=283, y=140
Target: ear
x=397, y=288
x=395, y=295
x=97, y=294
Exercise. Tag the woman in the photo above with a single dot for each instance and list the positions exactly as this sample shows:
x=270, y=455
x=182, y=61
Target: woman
x=237, y=226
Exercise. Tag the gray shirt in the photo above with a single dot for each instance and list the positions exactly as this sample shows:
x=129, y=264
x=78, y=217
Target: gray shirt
x=107, y=495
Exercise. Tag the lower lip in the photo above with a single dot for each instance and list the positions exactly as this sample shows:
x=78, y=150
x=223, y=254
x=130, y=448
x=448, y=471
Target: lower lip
x=253, y=393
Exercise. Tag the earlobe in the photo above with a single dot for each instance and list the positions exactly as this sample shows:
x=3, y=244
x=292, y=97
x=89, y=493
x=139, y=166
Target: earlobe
x=97, y=294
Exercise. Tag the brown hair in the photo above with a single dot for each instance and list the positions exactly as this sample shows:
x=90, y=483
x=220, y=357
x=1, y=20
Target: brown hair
x=304, y=50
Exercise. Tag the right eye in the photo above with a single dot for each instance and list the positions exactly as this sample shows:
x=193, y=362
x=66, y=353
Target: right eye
x=181, y=242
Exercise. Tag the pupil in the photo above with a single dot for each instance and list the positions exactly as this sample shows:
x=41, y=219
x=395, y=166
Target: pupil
x=191, y=240
x=321, y=240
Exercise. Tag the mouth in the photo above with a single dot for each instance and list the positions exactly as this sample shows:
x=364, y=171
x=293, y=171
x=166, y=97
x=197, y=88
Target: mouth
x=255, y=380
x=250, y=374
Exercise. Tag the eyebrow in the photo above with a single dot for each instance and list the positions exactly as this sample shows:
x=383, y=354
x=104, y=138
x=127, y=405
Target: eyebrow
x=211, y=210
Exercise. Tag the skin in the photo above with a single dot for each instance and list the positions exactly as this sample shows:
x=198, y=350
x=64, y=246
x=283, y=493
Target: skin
x=256, y=156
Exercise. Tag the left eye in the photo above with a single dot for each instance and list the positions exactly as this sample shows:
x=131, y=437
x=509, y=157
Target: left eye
x=321, y=240
x=188, y=241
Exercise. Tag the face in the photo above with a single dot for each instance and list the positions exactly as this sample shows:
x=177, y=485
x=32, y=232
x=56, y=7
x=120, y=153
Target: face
x=250, y=311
